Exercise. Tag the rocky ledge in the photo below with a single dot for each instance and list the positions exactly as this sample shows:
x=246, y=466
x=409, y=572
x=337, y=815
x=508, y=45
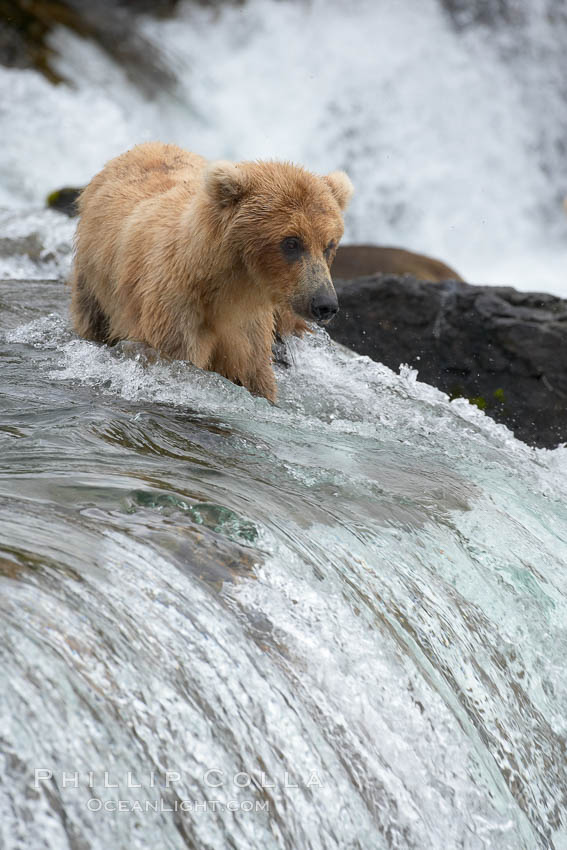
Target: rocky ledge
x=504, y=350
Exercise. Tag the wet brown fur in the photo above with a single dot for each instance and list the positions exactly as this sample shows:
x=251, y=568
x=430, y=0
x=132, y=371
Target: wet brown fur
x=185, y=255
x=361, y=260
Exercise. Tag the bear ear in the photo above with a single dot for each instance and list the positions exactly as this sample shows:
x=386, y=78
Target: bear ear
x=340, y=185
x=225, y=182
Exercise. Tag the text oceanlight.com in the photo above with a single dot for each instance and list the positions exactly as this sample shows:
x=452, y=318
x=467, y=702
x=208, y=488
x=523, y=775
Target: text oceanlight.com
x=95, y=804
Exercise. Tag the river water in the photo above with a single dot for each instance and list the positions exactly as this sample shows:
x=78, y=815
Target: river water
x=338, y=622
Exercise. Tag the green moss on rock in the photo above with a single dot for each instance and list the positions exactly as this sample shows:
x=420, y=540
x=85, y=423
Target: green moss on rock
x=64, y=200
x=479, y=401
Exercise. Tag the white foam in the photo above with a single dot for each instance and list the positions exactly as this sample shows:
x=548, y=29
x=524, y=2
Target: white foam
x=35, y=243
x=328, y=390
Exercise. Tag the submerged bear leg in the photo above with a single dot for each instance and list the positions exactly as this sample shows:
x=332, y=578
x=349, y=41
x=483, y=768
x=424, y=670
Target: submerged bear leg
x=263, y=383
x=261, y=379
x=89, y=319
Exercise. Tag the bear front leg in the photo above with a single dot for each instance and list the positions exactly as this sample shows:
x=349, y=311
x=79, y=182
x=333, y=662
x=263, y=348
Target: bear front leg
x=261, y=379
x=263, y=383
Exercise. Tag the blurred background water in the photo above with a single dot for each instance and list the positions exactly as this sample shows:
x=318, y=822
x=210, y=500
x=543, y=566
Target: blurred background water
x=335, y=623
x=449, y=116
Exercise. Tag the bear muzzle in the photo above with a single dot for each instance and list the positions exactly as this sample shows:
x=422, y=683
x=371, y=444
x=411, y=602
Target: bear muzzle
x=315, y=298
x=324, y=306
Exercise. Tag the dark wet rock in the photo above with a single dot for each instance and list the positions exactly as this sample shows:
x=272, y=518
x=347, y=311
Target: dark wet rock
x=64, y=200
x=29, y=245
x=23, y=38
x=206, y=554
x=504, y=350
x=207, y=540
x=503, y=14
x=25, y=29
x=34, y=244
x=484, y=12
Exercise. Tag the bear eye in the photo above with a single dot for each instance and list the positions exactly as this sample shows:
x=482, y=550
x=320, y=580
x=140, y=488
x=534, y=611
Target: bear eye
x=329, y=249
x=292, y=246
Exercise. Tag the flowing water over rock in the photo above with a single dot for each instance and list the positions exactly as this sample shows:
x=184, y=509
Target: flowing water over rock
x=338, y=622
x=335, y=623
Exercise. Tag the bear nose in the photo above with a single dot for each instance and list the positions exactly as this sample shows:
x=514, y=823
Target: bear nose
x=324, y=307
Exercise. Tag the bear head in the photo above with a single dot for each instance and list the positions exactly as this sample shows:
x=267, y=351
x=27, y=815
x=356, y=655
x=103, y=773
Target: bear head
x=285, y=224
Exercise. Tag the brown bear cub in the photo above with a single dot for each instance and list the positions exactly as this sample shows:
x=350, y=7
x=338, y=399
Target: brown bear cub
x=206, y=261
